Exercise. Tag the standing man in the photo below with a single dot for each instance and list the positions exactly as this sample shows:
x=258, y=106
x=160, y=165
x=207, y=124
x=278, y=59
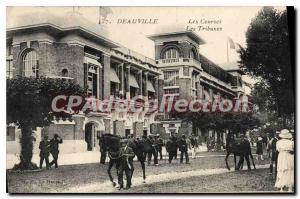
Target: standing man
x=175, y=140
x=194, y=145
x=44, y=151
x=126, y=163
x=160, y=145
x=54, y=149
x=171, y=147
x=102, y=149
x=245, y=150
x=274, y=153
x=183, y=148
x=150, y=142
x=155, y=149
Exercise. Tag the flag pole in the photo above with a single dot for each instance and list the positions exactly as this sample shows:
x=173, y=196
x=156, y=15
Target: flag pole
x=227, y=50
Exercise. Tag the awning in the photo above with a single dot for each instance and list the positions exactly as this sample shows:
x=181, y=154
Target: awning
x=150, y=86
x=113, y=76
x=133, y=82
x=88, y=60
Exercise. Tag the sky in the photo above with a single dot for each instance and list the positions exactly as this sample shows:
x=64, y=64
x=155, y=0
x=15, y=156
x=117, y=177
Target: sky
x=234, y=22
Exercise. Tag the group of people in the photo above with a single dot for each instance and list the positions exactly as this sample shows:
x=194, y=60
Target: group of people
x=281, y=148
x=183, y=144
x=156, y=144
x=48, y=147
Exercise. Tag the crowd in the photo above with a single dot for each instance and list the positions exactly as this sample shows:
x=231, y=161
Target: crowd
x=279, y=148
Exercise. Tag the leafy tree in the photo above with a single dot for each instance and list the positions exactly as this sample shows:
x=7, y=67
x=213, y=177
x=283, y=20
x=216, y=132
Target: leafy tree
x=28, y=103
x=267, y=56
x=236, y=122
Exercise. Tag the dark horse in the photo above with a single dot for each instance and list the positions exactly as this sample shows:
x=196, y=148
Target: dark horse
x=113, y=147
x=233, y=147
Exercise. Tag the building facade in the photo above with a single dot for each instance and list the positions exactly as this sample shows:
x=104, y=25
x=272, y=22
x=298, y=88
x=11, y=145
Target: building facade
x=72, y=48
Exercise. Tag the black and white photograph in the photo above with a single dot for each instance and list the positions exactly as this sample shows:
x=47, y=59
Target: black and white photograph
x=150, y=100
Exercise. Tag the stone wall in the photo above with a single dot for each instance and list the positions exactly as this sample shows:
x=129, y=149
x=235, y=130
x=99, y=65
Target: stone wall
x=65, y=131
x=119, y=128
x=138, y=128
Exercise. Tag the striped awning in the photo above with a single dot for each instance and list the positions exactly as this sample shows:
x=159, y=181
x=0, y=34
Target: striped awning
x=150, y=86
x=133, y=82
x=113, y=76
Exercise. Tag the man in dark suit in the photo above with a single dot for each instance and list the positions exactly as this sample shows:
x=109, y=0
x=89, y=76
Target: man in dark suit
x=155, y=147
x=151, y=141
x=271, y=147
x=183, y=148
x=171, y=147
x=54, y=149
x=126, y=162
x=160, y=145
x=245, y=151
x=44, y=151
x=175, y=140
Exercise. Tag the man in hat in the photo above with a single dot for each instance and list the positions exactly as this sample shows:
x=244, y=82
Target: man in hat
x=245, y=151
x=274, y=153
x=155, y=147
x=160, y=145
x=126, y=163
x=183, y=148
x=175, y=140
x=194, y=145
x=171, y=147
x=44, y=151
x=54, y=149
x=149, y=141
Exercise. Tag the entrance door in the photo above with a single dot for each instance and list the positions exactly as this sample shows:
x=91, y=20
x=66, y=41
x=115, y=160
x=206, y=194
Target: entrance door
x=127, y=132
x=145, y=132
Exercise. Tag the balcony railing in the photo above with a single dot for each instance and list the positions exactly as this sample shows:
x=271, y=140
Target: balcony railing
x=179, y=61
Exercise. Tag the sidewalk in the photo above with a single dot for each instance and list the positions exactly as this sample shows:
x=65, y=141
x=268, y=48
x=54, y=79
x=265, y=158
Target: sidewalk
x=78, y=158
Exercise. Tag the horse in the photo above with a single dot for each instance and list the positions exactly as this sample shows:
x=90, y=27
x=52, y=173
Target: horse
x=113, y=147
x=233, y=147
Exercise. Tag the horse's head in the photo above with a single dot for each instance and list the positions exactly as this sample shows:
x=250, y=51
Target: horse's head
x=112, y=142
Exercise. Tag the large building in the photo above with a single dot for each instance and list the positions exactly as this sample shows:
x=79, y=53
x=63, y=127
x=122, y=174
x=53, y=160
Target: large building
x=74, y=49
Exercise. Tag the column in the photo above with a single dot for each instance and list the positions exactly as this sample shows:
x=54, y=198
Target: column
x=141, y=82
x=122, y=86
x=146, y=85
x=211, y=95
x=156, y=87
x=127, y=84
x=106, y=78
x=199, y=91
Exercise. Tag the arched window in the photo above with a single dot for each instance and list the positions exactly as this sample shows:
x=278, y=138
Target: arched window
x=64, y=72
x=171, y=54
x=193, y=54
x=31, y=64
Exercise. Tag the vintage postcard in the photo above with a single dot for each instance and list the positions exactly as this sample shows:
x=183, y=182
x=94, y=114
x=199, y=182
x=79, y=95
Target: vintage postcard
x=150, y=99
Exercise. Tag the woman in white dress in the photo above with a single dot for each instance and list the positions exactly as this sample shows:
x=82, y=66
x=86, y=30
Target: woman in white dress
x=285, y=164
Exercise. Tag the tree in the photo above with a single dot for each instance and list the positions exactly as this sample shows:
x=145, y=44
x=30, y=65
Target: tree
x=236, y=122
x=267, y=56
x=28, y=103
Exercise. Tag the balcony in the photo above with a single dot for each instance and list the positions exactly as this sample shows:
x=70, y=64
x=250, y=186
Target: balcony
x=238, y=89
x=178, y=62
